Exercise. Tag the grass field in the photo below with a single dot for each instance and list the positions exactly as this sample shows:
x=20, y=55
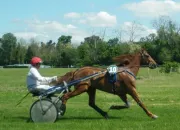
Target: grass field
x=159, y=92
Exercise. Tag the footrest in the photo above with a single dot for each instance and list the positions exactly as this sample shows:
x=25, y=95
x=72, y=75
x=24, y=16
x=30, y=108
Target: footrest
x=34, y=94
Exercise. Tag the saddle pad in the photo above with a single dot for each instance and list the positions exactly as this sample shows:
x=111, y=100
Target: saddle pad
x=112, y=73
x=112, y=78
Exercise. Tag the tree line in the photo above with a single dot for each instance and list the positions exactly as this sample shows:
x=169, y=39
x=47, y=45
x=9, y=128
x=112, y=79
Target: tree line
x=163, y=46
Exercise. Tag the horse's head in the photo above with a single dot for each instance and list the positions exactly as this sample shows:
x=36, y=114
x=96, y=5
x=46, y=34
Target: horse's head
x=67, y=78
x=148, y=59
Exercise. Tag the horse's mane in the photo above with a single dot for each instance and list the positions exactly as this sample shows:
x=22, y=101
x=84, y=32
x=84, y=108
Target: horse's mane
x=123, y=60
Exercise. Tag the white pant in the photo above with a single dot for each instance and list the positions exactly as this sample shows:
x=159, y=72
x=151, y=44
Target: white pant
x=39, y=88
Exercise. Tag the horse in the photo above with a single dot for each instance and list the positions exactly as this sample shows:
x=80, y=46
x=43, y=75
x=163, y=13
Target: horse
x=128, y=67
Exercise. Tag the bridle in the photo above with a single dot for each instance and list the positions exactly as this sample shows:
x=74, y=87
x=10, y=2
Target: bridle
x=144, y=56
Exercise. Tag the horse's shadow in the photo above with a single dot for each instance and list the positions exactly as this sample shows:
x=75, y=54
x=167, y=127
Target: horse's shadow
x=28, y=119
x=87, y=118
x=23, y=118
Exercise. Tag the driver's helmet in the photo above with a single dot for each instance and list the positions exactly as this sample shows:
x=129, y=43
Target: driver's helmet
x=35, y=60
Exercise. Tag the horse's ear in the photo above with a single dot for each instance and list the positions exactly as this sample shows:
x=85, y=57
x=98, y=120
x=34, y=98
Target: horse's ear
x=67, y=77
x=71, y=74
x=142, y=51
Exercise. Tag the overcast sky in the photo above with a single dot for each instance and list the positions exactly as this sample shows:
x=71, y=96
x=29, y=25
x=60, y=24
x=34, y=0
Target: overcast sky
x=49, y=19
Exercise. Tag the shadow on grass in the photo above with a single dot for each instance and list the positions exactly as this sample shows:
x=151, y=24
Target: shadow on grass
x=26, y=119
x=87, y=118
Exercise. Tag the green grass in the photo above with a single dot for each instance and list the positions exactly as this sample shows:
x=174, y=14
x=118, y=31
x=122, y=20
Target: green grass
x=159, y=92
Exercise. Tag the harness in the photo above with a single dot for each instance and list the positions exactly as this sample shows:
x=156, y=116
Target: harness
x=112, y=72
x=125, y=70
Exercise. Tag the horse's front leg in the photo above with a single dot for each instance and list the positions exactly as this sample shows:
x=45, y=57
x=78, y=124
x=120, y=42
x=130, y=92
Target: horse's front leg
x=92, y=95
x=124, y=99
x=134, y=95
x=80, y=89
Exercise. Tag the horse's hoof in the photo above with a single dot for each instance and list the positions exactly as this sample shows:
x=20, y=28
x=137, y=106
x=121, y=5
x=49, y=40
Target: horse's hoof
x=127, y=105
x=106, y=116
x=154, y=117
x=112, y=107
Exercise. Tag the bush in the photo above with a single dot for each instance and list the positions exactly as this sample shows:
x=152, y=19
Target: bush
x=170, y=67
x=165, y=55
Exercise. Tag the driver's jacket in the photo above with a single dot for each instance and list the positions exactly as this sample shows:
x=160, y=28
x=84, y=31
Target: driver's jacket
x=34, y=79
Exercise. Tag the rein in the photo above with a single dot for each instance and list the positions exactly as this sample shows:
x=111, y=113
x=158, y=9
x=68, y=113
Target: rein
x=120, y=70
x=130, y=73
x=124, y=69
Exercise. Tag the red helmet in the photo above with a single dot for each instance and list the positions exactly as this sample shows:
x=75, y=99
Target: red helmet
x=35, y=60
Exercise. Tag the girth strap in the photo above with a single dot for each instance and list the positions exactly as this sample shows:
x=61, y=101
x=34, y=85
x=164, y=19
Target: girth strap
x=114, y=88
x=130, y=73
x=114, y=83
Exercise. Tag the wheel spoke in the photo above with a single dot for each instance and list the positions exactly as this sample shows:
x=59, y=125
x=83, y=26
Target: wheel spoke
x=43, y=111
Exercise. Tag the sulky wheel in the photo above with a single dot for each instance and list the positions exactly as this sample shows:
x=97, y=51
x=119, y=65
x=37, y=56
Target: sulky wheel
x=43, y=111
x=61, y=108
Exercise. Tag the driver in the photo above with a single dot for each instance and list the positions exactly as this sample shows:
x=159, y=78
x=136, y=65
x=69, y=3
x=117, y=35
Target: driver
x=35, y=82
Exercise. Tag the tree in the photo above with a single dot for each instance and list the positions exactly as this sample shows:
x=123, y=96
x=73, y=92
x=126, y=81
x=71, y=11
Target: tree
x=48, y=52
x=84, y=55
x=164, y=55
x=168, y=34
x=49, y=43
x=103, y=56
x=8, y=44
x=92, y=40
x=118, y=33
x=33, y=50
x=150, y=43
x=21, y=52
x=64, y=40
x=133, y=31
x=69, y=56
x=1, y=49
x=113, y=41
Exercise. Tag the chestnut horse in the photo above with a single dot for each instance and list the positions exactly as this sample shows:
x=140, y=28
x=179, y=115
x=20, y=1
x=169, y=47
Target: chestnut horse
x=124, y=85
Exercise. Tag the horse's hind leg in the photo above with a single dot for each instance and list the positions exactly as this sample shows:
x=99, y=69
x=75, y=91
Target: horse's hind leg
x=124, y=99
x=92, y=94
x=134, y=95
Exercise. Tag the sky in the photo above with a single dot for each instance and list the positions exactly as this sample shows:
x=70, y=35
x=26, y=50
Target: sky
x=46, y=20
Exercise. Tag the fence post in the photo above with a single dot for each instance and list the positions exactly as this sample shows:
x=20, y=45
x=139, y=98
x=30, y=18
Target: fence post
x=148, y=72
x=171, y=70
